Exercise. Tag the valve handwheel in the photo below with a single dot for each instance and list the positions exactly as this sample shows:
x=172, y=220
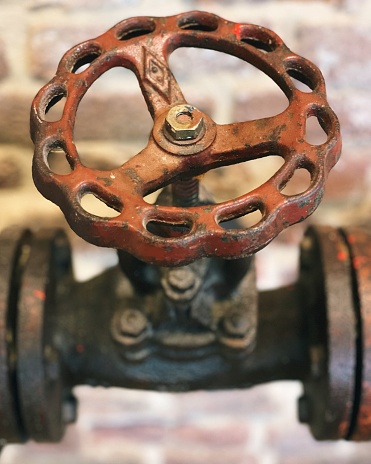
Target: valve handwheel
x=184, y=142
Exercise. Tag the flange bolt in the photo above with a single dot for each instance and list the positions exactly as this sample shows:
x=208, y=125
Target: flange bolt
x=132, y=322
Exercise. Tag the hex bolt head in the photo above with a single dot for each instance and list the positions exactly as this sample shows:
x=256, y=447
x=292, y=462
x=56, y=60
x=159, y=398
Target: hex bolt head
x=181, y=279
x=132, y=322
x=236, y=325
x=184, y=122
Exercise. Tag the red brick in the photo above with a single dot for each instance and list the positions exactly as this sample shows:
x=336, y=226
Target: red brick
x=58, y=453
x=341, y=52
x=202, y=456
x=73, y=5
x=98, y=4
x=111, y=116
x=3, y=62
x=349, y=180
x=101, y=116
x=354, y=112
x=212, y=433
x=14, y=117
x=194, y=63
x=304, y=450
x=319, y=457
x=47, y=44
x=256, y=106
x=38, y=4
x=208, y=3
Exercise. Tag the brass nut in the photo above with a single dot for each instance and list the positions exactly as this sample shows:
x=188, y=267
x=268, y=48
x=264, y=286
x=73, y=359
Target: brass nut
x=184, y=122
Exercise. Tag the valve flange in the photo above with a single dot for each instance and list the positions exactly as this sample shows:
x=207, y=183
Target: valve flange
x=174, y=235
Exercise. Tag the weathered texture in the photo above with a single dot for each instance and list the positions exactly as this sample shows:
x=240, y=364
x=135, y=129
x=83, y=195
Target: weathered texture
x=329, y=390
x=349, y=181
x=257, y=106
x=116, y=122
x=359, y=243
x=144, y=44
x=137, y=427
x=14, y=116
x=56, y=333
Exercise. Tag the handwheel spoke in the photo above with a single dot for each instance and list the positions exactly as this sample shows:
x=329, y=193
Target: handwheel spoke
x=250, y=140
x=159, y=86
x=151, y=169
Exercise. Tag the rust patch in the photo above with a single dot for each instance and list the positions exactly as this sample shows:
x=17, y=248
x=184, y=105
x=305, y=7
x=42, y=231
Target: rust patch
x=133, y=175
x=106, y=180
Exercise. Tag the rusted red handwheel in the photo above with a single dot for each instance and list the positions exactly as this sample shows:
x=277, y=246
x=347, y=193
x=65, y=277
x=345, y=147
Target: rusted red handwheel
x=143, y=45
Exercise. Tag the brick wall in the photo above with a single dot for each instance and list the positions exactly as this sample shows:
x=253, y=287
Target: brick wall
x=257, y=426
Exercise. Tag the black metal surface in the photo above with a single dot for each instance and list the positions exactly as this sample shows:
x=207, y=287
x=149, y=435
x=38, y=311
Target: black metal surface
x=85, y=328
x=327, y=290
x=56, y=333
x=39, y=371
x=359, y=244
x=176, y=152
x=14, y=247
x=34, y=270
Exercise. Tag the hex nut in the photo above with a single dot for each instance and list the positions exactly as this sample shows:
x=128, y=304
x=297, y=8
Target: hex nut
x=181, y=279
x=132, y=322
x=184, y=122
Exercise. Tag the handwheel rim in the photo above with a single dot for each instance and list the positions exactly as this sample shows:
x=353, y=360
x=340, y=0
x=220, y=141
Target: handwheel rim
x=123, y=188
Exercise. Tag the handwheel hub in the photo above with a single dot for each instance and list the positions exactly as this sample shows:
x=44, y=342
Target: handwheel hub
x=184, y=130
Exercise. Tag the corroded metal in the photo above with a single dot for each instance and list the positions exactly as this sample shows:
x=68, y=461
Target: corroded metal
x=175, y=353
x=336, y=278
x=40, y=378
x=186, y=328
x=36, y=402
x=326, y=282
x=359, y=242
x=143, y=45
x=14, y=248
